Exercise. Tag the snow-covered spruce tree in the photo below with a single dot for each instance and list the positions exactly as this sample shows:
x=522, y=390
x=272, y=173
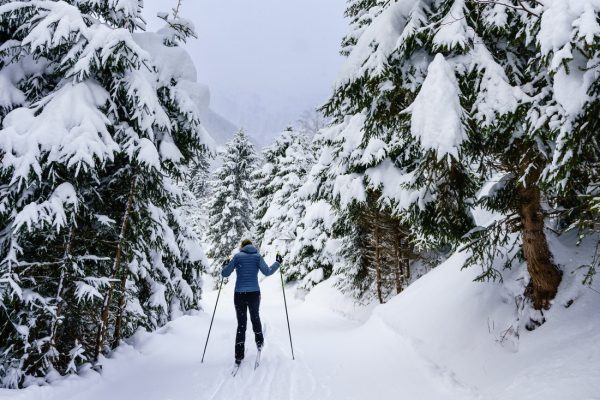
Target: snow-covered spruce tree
x=92, y=245
x=199, y=177
x=377, y=252
x=566, y=106
x=313, y=252
x=447, y=90
x=231, y=208
x=278, y=211
x=545, y=154
x=375, y=151
x=197, y=183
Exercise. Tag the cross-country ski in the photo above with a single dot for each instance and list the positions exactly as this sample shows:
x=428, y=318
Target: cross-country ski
x=257, y=361
x=236, y=368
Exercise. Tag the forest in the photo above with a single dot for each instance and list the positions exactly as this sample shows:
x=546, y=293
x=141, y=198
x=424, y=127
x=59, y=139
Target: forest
x=455, y=127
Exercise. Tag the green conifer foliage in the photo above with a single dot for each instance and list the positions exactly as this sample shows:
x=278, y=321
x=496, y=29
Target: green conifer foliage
x=99, y=127
x=232, y=205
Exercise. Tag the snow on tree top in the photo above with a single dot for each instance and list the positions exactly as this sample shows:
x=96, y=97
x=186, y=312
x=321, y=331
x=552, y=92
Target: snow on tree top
x=454, y=30
x=171, y=62
x=561, y=16
x=379, y=40
x=436, y=112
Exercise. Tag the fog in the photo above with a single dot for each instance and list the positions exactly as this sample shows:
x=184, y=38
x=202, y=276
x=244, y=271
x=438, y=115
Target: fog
x=265, y=61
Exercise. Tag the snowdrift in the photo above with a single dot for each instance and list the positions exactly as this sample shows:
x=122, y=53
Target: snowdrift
x=474, y=333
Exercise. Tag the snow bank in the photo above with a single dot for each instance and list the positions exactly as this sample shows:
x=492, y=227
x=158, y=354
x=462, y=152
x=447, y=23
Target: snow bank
x=474, y=332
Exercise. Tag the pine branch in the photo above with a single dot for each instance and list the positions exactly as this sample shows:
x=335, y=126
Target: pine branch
x=520, y=7
x=176, y=9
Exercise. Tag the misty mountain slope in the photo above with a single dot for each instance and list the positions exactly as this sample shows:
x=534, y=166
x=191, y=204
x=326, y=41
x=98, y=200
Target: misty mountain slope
x=218, y=126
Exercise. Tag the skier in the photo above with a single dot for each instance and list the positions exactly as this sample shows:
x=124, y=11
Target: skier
x=247, y=263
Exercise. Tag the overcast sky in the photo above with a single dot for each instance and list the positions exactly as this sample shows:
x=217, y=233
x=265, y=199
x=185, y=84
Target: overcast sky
x=266, y=61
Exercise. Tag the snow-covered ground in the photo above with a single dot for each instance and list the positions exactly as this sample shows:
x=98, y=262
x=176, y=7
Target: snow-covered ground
x=445, y=337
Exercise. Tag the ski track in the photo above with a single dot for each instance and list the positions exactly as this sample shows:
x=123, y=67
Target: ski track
x=333, y=353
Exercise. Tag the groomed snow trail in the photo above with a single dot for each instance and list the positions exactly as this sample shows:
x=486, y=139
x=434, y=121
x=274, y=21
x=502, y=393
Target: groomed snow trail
x=337, y=357
x=441, y=339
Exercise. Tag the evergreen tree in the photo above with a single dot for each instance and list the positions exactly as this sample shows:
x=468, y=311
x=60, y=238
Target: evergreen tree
x=231, y=208
x=435, y=105
x=199, y=177
x=567, y=58
x=100, y=125
x=287, y=162
x=313, y=252
x=198, y=193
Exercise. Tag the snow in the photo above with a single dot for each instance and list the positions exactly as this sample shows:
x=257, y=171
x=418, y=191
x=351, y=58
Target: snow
x=496, y=183
x=571, y=89
x=148, y=154
x=445, y=337
x=496, y=95
x=51, y=211
x=171, y=62
x=454, y=30
x=378, y=41
x=71, y=132
x=391, y=181
x=349, y=188
x=560, y=16
x=436, y=114
x=10, y=95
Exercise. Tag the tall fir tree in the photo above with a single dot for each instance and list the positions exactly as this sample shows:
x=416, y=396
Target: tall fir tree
x=475, y=64
x=231, y=208
x=278, y=211
x=198, y=191
x=103, y=123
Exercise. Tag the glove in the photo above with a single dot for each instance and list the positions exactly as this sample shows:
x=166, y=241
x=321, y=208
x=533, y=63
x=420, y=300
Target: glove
x=278, y=258
x=226, y=262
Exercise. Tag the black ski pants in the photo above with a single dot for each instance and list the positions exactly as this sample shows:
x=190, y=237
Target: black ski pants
x=243, y=302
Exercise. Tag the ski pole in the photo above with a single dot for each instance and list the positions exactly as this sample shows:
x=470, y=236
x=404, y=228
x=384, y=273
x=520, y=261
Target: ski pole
x=286, y=313
x=212, y=319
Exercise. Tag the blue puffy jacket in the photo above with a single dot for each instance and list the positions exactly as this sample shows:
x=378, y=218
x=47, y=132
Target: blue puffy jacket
x=247, y=263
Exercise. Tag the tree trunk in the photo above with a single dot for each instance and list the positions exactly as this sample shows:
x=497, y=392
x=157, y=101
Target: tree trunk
x=61, y=287
x=119, y=320
x=398, y=270
x=103, y=324
x=378, y=278
x=545, y=276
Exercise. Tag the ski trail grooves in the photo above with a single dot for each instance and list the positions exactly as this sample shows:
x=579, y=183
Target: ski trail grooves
x=336, y=358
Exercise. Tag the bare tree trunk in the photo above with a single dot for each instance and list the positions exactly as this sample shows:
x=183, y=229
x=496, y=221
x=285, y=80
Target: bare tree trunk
x=545, y=276
x=406, y=270
x=398, y=269
x=378, y=279
x=103, y=324
x=119, y=320
x=61, y=287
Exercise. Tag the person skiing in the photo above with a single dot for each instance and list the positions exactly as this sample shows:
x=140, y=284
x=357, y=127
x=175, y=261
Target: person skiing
x=247, y=263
